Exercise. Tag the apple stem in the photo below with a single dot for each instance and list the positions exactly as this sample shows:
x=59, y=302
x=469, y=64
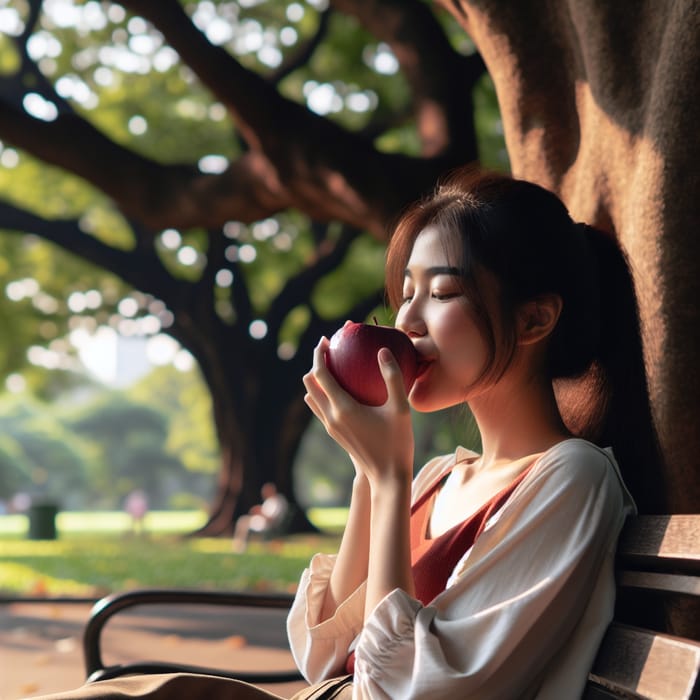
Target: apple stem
x=374, y=318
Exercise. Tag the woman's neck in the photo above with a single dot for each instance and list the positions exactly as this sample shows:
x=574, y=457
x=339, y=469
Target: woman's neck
x=517, y=419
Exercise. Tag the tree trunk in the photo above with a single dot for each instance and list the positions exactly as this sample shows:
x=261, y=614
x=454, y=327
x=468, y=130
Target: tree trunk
x=260, y=418
x=599, y=105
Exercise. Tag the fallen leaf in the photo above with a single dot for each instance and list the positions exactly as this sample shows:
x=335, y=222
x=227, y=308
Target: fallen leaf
x=65, y=645
x=236, y=641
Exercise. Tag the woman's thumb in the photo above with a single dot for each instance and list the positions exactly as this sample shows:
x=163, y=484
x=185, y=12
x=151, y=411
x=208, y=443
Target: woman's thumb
x=391, y=372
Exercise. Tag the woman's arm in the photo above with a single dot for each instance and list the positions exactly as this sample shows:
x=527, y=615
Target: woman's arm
x=350, y=569
x=390, y=551
x=379, y=439
x=321, y=648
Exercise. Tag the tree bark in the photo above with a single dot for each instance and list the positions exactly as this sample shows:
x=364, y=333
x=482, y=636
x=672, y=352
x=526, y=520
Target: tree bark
x=598, y=105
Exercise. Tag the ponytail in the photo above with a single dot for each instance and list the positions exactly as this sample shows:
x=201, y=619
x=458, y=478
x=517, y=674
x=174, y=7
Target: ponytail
x=609, y=403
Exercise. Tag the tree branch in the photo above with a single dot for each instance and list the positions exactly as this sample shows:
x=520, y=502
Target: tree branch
x=216, y=260
x=28, y=76
x=158, y=195
x=297, y=159
x=441, y=79
x=298, y=288
x=304, y=52
x=327, y=172
x=145, y=273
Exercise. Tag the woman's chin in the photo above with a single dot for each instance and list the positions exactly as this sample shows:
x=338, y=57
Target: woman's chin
x=424, y=402
x=426, y=399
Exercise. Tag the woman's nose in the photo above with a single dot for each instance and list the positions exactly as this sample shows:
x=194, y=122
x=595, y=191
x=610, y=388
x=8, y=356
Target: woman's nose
x=410, y=320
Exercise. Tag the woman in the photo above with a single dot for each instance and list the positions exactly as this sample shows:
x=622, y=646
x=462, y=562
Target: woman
x=493, y=283
x=489, y=575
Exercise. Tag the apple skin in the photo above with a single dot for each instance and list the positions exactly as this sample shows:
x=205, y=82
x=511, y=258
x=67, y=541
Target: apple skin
x=352, y=360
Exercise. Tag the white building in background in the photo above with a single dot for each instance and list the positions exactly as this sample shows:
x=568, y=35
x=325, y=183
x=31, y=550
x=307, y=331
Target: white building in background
x=119, y=361
x=132, y=362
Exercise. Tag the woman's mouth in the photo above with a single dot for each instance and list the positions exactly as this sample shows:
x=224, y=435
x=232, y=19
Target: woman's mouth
x=423, y=366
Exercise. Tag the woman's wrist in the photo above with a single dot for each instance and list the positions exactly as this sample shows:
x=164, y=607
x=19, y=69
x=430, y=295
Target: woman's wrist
x=390, y=489
x=360, y=482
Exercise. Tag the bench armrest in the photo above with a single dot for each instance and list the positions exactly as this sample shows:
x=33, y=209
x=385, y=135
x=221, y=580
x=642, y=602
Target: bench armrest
x=111, y=605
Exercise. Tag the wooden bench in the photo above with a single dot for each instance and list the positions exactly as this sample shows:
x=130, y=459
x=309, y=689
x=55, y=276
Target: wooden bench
x=658, y=579
x=658, y=589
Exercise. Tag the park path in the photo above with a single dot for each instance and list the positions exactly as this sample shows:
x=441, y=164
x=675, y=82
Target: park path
x=41, y=643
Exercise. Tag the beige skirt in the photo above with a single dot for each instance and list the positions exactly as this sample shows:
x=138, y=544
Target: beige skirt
x=197, y=687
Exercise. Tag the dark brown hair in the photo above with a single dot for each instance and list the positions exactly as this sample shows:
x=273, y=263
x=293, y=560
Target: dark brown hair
x=523, y=235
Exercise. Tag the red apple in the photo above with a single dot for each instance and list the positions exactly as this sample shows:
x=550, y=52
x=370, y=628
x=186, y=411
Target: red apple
x=352, y=360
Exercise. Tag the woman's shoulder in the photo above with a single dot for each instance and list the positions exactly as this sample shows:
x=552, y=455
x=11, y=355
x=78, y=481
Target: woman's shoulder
x=578, y=460
x=437, y=467
x=578, y=452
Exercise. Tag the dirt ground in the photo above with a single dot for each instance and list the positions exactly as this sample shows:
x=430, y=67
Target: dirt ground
x=41, y=643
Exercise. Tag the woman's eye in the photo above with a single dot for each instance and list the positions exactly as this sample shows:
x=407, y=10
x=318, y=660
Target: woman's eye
x=406, y=299
x=444, y=296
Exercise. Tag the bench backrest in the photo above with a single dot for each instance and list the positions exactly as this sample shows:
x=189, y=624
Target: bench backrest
x=652, y=649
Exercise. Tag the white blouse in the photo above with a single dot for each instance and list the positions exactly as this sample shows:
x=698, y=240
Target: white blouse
x=523, y=613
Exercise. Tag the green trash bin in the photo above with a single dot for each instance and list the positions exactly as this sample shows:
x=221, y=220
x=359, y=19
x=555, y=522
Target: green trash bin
x=42, y=521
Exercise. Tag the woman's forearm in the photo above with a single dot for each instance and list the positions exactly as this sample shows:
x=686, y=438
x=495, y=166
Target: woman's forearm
x=350, y=568
x=389, y=550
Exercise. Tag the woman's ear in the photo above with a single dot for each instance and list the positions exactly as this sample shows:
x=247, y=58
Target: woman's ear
x=537, y=318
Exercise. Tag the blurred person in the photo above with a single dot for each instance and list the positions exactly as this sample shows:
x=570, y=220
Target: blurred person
x=261, y=518
x=136, y=505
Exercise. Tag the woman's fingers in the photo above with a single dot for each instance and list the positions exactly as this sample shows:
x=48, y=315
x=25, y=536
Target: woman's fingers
x=324, y=395
x=393, y=377
x=378, y=438
x=311, y=403
x=323, y=381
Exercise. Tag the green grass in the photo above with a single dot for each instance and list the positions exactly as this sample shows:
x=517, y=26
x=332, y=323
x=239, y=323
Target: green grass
x=95, y=554
x=107, y=522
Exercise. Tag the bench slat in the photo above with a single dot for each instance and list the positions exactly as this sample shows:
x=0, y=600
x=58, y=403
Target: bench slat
x=633, y=663
x=673, y=584
x=662, y=541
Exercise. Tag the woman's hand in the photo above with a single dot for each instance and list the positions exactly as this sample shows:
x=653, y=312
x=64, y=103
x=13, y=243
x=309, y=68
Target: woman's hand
x=379, y=439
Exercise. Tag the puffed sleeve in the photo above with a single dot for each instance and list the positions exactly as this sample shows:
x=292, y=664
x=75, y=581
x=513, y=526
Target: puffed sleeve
x=320, y=649
x=519, y=595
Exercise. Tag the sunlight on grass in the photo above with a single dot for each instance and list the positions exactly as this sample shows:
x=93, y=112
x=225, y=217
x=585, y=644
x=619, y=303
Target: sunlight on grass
x=328, y=519
x=116, y=521
x=86, y=523
x=23, y=580
x=95, y=555
x=13, y=525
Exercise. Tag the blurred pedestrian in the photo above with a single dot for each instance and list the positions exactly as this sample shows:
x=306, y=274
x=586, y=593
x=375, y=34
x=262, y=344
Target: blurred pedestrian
x=136, y=505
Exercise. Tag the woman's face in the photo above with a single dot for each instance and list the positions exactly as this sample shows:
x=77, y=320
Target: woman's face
x=437, y=316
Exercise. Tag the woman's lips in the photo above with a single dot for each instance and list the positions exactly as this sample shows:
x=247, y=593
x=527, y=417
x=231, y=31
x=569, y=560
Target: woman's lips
x=423, y=366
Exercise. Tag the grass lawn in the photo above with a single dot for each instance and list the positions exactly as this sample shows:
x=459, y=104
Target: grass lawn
x=96, y=553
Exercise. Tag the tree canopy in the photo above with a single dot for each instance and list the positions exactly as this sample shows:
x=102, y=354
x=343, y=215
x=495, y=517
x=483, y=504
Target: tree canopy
x=93, y=447
x=232, y=166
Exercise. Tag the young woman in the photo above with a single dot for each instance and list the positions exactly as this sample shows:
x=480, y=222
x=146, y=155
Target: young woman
x=498, y=582
x=489, y=575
